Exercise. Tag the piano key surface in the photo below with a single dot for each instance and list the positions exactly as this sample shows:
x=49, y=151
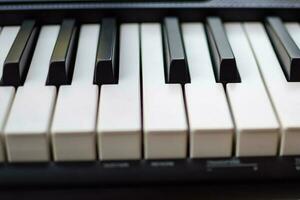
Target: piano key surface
x=27, y=128
x=164, y=120
x=256, y=125
x=140, y=113
x=63, y=55
x=74, y=121
x=17, y=61
x=6, y=99
x=285, y=47
x=211, y=126
x=176, y=68
x=106, y=70
x=7, y=36
x=284, y=94
x=222, y=56
x=119, y=125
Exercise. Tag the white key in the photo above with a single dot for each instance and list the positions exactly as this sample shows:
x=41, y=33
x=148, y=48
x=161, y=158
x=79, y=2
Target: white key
x=285, y=95
x=74, y=121
x=86, y=55
x=29, y=120
x=119, y=117
x=211, y=126
x=291, y=144
x=6, y=98
x=165, y=125
x=39, y=66
x=7, y=37
x=257, y=128
x=26, y=130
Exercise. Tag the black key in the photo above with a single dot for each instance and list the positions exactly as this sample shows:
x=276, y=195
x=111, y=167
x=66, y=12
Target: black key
x=63, y=56
x=18, y=59
x=286, y=49
x=223, y=59
x=106, y=70
x=176, y=64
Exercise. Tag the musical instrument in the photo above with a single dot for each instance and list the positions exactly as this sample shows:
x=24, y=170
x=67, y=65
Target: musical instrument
x=100, y=92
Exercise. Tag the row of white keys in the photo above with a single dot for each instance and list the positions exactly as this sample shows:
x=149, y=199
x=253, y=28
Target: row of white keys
x=119, y=117
x=7, y=37
x=74, y=122
x=211, y=127
x=257, y=129
x=165, y=125
x=29, y=120
x=285, y=95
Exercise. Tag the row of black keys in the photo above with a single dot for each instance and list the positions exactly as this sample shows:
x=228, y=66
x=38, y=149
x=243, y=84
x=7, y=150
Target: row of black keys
x=106, y=65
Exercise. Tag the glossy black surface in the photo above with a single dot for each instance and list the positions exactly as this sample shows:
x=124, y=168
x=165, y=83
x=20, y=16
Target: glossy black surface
x=223, y=59
x=228, y=10
x=176, y=66
x=106, y=70
x=286, y=49
x=120, y=173
x=18, y=59
x=284, y=190
x=63, y=56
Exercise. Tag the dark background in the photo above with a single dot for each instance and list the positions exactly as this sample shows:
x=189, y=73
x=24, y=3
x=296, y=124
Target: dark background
x=207, y=191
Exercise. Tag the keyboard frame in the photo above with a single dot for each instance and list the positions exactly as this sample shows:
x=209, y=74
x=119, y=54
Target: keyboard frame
x=163, y=171
x=256, y=169
x=54, y=12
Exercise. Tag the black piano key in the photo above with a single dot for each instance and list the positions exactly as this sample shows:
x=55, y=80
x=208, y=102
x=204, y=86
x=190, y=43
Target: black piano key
x=17, y=61
x=63, y=56
x=106, y=71
x=286, y=49
x=176, y=64
x=223, y=59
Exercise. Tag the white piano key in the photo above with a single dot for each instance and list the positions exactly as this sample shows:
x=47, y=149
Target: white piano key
x=39, y=66
x=257, y=129
x=290, y=143
x=211, y=127
x=86, y=55
x=26, y=130
x=119, y=117
x=165, y=125
x=6, y=98
x=74, y=122
x=285, y=95
x=7, y=38
x=27, y=127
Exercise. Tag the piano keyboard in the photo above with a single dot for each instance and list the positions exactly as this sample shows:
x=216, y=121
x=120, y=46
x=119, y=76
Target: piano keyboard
x=153, y=91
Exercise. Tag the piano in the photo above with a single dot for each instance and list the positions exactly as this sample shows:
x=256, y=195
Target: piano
x=104, y=92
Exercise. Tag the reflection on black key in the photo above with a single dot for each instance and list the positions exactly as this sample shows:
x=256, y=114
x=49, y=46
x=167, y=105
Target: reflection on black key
x=286, y=49
x=106, y=71
x=176, y=64
x=63, y=56
x=222, y=56
x=17, y=61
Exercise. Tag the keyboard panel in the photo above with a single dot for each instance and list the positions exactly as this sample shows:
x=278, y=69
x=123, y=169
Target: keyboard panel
x=15, y=13
x=151, y=172
x=148, y=99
